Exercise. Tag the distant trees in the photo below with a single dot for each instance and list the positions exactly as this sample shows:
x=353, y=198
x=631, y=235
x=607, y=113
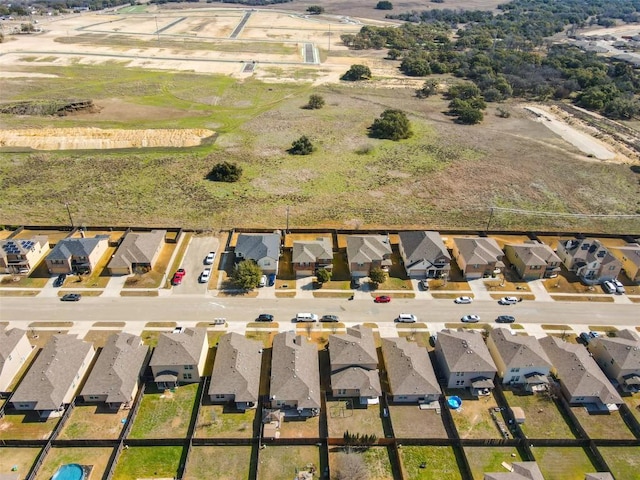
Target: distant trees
x=384, y=5
x=301, y=146
x=357, y=72
x=392, y=125
x=225, y=172
x=315, y=10
x=315, y=102
x=246, y=275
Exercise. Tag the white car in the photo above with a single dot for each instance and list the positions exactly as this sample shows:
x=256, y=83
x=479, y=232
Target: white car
x=205, y=275
x=470, y=319
x=263, y=281
x=211, y=256
x=619, y=286
x=407, y=318
x=609, y=287
x=508, y=301
x=463, y=300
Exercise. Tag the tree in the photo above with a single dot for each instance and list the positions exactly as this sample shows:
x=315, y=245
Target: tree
x=384, y=5
x=301, y=146
x=350, y=466
x=316, y=102
x=392, y=125
x=225, y=172
x=357, y=72
x=469, y=115
x=377, y=276
x=246, y=274
x=429, y=88
x=323, y=275
x=315, y=10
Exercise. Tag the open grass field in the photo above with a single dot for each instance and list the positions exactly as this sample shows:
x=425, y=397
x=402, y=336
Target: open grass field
x=148, y=462
x=97, y=457
x=204, y=462
x=489, y=459
x=440, y=462
x=562, y=463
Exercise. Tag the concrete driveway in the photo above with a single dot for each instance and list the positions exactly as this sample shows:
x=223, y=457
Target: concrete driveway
x=193, y=263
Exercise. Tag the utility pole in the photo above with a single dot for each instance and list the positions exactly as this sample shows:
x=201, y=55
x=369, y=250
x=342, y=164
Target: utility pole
x=489, y=222
x=287, y=229
x=157, y=29
x=66, y=204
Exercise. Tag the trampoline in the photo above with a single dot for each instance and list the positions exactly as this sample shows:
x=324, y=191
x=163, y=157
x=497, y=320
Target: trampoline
x=70, y=471
x=454, y=402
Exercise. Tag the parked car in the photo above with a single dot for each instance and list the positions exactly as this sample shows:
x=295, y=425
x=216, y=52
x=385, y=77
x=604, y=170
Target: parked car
x=58, y=282
x=470, y=319
x=508, y=301
x=424, y=284
x=264, y=317
x=205, y=275
x=463, y=300
x=593, y=334
x=272, y=279
x=505, y=319
x=71, y=297
x=178, y=276
x=406, y=318
x=306, y=317
x=609, y=287
x=263, y=281
x=329, y=318
x=178, y=330
x=585, y=337
x=211, y=256
x=619, y=286
x=382, y=299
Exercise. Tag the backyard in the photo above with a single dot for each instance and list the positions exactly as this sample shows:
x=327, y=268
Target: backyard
x=218, y=421
x=204, y=462
x=93, y=422
x=543, y=418
x=148, y=462
x=165, y=414
x=376, y=461
x=300, y=427
x=490, y=459
x=410, y=422
x=473, y=419
x=25, y=426
x=563, y=463
x=429, y=463
x=342, y=417
x=610, y=425
x=282, y=462
x=96, y=457
x=21, y=458
x=623, y=462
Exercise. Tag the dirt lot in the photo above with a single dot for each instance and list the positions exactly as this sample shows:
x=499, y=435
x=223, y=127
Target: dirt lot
x=410, y=422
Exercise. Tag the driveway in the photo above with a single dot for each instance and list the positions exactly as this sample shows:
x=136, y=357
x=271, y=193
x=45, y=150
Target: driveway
x=193, y=263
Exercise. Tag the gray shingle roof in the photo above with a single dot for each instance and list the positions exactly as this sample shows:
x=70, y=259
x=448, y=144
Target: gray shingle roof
x=137, y=247
x=8, y=341
x=310, y=251
x=465, y=351
x=521, y=471
x=625, y=349
x=534, y=253
x=75, y=247
x=367, y=248
x=355, y=347
x=117, y=369
x=53, y=372
x=175, y=349
x=409, y=369
x=585, y=256
x=236, y=370
x=519, y=351
x=295, y=371
x=631, y=251
x=425, y=245
x=367, y=382
x=256, y=246
x=479, y=250
x=579, y=372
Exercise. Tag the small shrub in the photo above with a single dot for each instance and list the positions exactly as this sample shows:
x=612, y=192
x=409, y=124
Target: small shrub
x=225, y=172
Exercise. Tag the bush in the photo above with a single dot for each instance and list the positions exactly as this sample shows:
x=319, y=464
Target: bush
x=384, y=5
x=225, y=172
x=357, y=72
x=301, y=146
x=315, y=102
x=392, y=125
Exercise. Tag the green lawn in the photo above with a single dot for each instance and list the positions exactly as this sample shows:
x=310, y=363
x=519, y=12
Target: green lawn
x=93, y=422
x=610, y=425
x=439, y=463
x=213, y=422
x=205, y=462
x=163, y=415
x=563, y=463
x=543, y=418
x=624, y=462
x=148, y=462
x=489, y=459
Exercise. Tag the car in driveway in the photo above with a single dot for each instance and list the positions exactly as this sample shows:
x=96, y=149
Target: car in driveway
x=263, y=281
x=329, y=318
x=382, y=299
x=178, y=276
x=463, y=300
x=505, y=319
x=264, y=317
x=619, y=286
x=205, y=275
x=508, y=301
x=406, y=318
x=71, y=297
x=470, y=319
x=58, y=282
x=424, y=284
x=272, y=279
x=609, y=287
x=211, y=256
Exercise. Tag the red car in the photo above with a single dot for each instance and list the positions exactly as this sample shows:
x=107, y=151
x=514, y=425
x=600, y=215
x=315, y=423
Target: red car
x=382, y=299
x=178, y=276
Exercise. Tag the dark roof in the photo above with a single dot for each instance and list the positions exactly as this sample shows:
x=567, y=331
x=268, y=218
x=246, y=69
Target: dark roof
x=237, y=368
x=356, y=347
x=137, y=247
x=409, y=369
x=423, y=245
x=479, y=250
x=175, y=349
x=367, y=248
x=519, y=351
x=465, y=351
x=76, y=247
x=257, y=246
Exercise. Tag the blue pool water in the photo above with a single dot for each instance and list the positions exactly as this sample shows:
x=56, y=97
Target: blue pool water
x=70, y=471
x=454, y=402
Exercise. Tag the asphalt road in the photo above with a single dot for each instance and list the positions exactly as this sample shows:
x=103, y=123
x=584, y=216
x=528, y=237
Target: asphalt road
x=204, y=308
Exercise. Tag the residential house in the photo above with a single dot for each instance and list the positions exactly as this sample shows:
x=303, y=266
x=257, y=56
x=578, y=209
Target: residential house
x=519, y=471
x=115, y=378
x=533, y=260
x=589, y=259
x=629, y=256
x=263, y=248
x=236, y=372
x=21, y=256
x=409, y=371
x=179, y=357
x=309, y=256
x=354, y=365
x=14, y=351
x=365, y=252
x=619, y=357
x=465, y=361
x=295, y=375
x=424, y=254
x=77, y=255
x=581, y=380
x=52, y=380
x=520, y=359
x=478, y=257
x=137, y=253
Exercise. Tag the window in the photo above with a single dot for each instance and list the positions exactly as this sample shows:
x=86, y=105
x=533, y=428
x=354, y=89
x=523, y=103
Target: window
x=220, y=396
x=612, y=267
x=459, y=374
x=187, y=376
x=515, y=370
x=10, y=358
x=459, y=382
x=188, y=367
x=93, y=397
x=516, y=378
x=342, y=391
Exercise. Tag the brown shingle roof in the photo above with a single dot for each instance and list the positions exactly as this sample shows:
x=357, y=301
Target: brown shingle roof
x=409, y=369
x=519, y=351
x=237, y=368
x=179, y=348
x=465, y=351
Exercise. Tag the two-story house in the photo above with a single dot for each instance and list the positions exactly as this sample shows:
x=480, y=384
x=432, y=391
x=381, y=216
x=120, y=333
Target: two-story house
x=21, y=256
x=137, y=253
x=311, y=255
x=179, y=357
x=77, y=255
x=424, y=254
x=533, y=260
x=365, y=252
x=619, y=358
x=589, y=259
x=14, y=351
x=629, y=257
x=262, y=248
x=478, y=257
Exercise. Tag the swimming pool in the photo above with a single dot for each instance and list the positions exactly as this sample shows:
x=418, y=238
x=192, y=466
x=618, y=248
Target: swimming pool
x=70, y=471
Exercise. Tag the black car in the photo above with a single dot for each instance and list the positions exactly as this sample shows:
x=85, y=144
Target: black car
x=264, y=317
x=58, y=282
x=505, y=319
x=329, y=318
x=71, y=297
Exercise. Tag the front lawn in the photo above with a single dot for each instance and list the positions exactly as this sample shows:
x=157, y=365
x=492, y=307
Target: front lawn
x=429, y=463
x=543, y=417
x=283, y=462
x=216, y=421
x=93, y=422
x=563, y=463
x=148, y=462
x=490, y=459
x=165, y=414
x=204, y=462
x=96, y=457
